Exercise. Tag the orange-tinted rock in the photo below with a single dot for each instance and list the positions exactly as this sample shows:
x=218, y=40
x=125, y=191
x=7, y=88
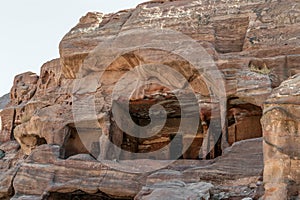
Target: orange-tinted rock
x=50, y=78
x=24, y=88
x=255, y=46
x=237, y=28
x=44, y=164
x=281, y=141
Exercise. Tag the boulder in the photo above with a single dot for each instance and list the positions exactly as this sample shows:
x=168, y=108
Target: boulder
x=176, y=190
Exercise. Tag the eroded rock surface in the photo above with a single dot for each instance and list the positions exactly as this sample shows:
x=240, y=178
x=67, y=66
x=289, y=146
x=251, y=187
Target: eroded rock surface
x=48, y=174
x=52, y=129
x=281, y=122
x=24, y=88
x=234, y=28
x=175, y=190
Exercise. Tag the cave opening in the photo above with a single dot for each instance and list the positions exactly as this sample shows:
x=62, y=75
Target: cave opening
x=243, y=120
x=73, y=145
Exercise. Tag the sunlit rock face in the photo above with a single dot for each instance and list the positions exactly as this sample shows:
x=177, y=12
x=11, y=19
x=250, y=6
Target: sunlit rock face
x=52, y=129
x=24, y=87
x=281, y=125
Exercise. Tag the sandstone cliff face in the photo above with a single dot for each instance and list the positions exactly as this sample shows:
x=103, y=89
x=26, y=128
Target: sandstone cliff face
x=243, y=37
x=233, y=54
x=281, y=140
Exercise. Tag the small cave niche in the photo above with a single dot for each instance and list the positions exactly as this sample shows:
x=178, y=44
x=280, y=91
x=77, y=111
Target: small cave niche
x=30, y=142
x=41, y=141
x=77, y=195
x=243, y=120
x=48, y=80
x=73, y=144
x=33, y=140
x=45, y=77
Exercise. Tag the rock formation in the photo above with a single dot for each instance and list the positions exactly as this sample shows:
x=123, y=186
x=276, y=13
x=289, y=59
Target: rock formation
x=281, y=141
x=183, y=79
x=4, y=100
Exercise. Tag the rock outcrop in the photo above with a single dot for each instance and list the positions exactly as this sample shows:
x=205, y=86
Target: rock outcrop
x=233, y=32
x=47, y=175
x=281, y=122
x=184, y=79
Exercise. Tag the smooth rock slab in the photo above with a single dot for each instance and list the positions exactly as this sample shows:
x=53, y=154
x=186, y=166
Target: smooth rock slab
x=175, y=190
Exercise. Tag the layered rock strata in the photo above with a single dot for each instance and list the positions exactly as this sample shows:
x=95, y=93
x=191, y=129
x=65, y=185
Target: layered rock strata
x=51, y=131
x=281, y=141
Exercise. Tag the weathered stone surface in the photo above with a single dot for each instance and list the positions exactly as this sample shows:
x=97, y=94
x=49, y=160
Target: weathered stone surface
x=242, y=158
x=9, y=167
x=50, y=78
x=232, y=27
x=255, y=46
x=4, y=100
x=46, y=174
x=281, y=122
x=49, y=126
x=243, y=121
x=7, y=117
x=24, y=88
x=7, y=177
x=175, y=190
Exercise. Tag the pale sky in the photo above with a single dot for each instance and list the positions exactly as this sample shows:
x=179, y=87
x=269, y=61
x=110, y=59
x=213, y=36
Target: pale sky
x=32, y=29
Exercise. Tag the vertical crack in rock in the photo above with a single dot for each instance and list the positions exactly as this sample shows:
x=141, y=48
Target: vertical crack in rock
x=12, y=137
x=12, y=190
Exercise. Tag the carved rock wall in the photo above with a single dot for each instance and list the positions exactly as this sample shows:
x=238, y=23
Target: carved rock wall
x=255, y=45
